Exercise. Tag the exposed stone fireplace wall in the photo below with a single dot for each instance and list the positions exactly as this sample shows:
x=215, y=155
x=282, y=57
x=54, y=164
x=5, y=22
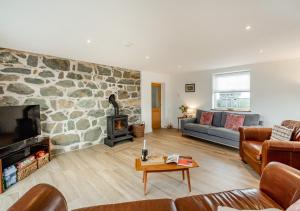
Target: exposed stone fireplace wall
x=73, y=95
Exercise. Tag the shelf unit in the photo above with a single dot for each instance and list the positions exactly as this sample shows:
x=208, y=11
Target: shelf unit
x=17, y=152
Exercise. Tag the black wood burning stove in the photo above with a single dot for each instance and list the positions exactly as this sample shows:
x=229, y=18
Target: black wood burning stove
x=117, y=125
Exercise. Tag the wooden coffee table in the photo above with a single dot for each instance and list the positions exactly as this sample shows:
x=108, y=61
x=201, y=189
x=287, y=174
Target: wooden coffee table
x=164, y=167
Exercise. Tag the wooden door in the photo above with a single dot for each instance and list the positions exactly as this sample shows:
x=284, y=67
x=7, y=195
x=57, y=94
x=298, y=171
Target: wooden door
x=156, y=105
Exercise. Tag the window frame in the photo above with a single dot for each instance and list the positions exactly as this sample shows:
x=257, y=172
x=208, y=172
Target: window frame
x=214, y=92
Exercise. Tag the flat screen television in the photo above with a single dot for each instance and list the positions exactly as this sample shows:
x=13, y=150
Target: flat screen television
x=18, y=123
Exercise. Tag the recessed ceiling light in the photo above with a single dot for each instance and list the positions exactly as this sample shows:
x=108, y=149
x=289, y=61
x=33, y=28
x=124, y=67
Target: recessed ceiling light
x=128, y=44
x=88, y=41
x=248, y=28
x=147, y=57
x=261, y=51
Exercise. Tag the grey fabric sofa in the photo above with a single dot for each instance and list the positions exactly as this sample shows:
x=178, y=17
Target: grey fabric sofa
x=216, y=132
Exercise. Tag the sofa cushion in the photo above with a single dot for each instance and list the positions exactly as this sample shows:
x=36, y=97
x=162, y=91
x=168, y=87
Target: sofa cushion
x=234, y=121
x=197, y=127
x=206, y=118
x=224, y=133
x=253, y=149
x=239, y=199
x=250, y=119
x=198, y=115
x=145, y=205
x=217, y=119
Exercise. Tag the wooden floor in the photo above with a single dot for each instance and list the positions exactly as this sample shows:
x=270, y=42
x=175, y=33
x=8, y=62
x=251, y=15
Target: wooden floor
x=100, y=175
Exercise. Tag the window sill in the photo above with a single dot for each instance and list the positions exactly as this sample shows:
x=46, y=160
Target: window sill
x=230, y=110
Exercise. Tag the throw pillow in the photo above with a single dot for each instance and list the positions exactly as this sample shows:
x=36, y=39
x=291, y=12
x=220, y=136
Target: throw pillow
x=221, y=208
x=292, y=124
x=234, y=121
x=206, y=118
x=281, y=133
x=296, y=134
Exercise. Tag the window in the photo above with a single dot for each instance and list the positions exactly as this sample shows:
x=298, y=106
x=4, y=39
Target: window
x=231, y=91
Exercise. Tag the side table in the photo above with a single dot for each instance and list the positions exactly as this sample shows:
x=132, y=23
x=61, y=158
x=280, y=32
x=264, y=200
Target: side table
x=178, y=119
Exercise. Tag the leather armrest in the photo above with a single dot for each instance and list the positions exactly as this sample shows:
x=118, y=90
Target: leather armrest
x=42, y=197
x=281, y=183
x=255, y=133
x=287, y=152
x=188, y=120
x=277, y=145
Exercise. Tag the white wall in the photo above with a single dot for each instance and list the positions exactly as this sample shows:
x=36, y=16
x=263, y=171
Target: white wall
x=146, y=79
x=275, y=90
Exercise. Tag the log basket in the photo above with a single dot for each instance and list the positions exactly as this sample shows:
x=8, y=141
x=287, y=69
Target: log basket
x=139, y=130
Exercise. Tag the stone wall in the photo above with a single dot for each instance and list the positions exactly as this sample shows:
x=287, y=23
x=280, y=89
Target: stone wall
x=73, y=95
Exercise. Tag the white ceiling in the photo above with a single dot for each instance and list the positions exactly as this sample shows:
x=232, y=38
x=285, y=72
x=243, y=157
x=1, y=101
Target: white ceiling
x=194, y=34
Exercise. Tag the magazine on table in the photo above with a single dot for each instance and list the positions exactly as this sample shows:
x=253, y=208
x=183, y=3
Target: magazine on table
x=180, y=160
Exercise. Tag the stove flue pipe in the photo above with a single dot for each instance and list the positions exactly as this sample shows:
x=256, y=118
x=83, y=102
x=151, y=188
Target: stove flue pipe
x=112, y=100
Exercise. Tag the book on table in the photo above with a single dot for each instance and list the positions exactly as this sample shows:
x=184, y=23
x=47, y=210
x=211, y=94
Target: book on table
x=180, y=160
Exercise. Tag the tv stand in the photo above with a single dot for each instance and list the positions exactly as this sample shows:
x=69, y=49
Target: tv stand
x=15, y=153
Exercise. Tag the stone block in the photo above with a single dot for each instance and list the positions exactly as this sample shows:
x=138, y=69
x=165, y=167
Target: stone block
x=37, y=101
x=59, y=116
x=122, y=94
x=104, y=71
x=76, y=114
x=47, y=127
x=92, y=135
x=64, y=104
x=117, y=73
x=96, y=113
x=65, y=83
x=65, y=139
x=51, y=91
x=33, y=80
x=20, y=88
x=86, y=103
x=7, y=57
x=46, y=74
x=32, y=61
x=83, y=124
x=8, y=101
x=57, y=64
x=16, y=70
x=9, y=77
x=81, y=93
x=84, y=68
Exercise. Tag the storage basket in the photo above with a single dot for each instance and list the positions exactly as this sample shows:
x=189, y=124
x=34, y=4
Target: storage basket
x=27, y=170
x=9, y=176
x=43, y=160
x=139, y=130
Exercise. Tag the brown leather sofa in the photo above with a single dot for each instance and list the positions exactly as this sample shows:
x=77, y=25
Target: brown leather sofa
x=279, y=188
x=257, y=150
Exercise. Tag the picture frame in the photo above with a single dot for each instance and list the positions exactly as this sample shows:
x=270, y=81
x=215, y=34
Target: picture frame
x=190, y=87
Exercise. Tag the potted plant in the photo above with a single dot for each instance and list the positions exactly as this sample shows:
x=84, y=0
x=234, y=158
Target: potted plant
x=183, y=109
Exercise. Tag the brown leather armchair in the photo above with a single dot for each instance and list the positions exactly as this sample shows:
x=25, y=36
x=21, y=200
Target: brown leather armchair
x=257, y=150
